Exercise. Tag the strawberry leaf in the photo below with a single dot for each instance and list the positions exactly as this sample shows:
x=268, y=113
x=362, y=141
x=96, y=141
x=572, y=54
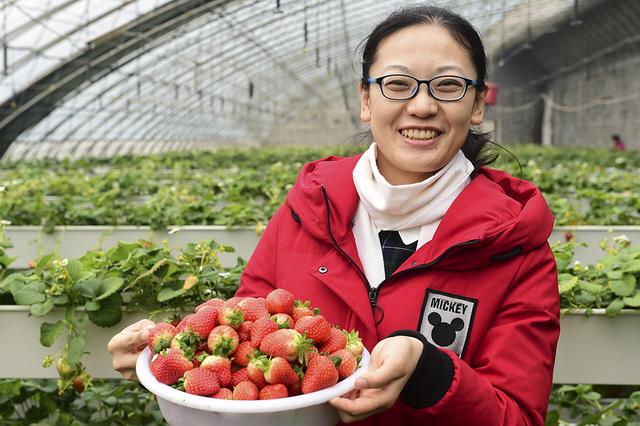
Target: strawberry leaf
x=110, y=312
x=30, y=294
x=77, y=335
x=41, y=309
x=50, y=332
x=108, y=286
x=169, y=293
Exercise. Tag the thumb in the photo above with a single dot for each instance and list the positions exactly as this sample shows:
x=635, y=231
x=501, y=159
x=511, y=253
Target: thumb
x=380, y=377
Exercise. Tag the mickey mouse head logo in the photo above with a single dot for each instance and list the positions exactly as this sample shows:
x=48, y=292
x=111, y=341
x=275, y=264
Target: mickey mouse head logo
x=444, y=334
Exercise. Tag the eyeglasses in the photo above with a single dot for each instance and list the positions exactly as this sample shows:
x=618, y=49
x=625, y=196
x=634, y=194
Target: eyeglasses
x=400, y=87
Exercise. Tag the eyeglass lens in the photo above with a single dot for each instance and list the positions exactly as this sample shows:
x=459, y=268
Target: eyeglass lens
x=445, y=88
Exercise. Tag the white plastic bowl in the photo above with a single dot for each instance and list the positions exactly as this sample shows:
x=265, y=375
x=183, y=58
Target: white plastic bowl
x=180, y=408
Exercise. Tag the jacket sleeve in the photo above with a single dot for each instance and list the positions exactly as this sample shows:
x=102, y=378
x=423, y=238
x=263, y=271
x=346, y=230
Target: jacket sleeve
x=259, y=276
x=511, y=375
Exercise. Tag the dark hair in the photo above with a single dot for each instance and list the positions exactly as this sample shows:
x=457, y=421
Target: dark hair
x=466, y=36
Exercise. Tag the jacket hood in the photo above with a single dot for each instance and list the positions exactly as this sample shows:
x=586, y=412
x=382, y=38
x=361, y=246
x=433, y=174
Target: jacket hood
x=497, y=216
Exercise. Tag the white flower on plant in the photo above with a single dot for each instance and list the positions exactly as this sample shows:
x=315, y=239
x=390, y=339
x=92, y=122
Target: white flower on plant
x=621, y=239
x=224, y=274
x=5, y=222
x=3, y=188
x=64, y=262
x=174, y=230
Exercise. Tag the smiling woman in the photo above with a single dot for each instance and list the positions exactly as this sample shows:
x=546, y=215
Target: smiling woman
x=440, y=263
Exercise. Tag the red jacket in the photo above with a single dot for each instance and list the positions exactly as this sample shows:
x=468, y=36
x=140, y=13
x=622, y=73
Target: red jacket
x=483, y=292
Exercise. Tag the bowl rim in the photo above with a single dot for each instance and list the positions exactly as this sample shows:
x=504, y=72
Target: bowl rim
x=258, y=406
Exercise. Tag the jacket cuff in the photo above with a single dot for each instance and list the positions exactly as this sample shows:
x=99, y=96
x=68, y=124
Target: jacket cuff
x=432, y=377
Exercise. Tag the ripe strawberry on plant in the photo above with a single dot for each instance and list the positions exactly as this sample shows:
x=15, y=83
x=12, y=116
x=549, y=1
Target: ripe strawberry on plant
x=253, y=308
x=286, y=343
x=260, y=329
x=347, y=364
x=223, y=340
x=242, y=353
x=232, y=317
x=239, y=376
x=201, y=381
x=317, y=328
x=219, y=365
x=354, y=344
x=169, y=366
x=320, y=374
x=216, y=302
x=280, y=301
x=244, y=331
x=337, y=340
x=278, y=370
x=223, y=393
x=246, y=390
x=283, y=320
x=302, y=309
x=273, y=392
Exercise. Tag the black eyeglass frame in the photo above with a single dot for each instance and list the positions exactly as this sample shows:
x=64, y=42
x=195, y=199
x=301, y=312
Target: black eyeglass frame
x=468, y=82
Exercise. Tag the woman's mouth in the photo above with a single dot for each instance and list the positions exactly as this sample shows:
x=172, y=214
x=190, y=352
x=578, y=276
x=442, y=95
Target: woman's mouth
x=419, y=135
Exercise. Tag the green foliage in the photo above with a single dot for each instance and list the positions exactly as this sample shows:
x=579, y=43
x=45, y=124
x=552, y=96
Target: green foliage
x=106, y=402
x=100, y=285
x=611, y=283
x=581, y=405
x=244, y=186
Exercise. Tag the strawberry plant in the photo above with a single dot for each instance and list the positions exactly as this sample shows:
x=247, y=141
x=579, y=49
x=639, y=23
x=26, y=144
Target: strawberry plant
x=98, y=286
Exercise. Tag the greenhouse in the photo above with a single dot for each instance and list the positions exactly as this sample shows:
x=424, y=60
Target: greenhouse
x=175, y=172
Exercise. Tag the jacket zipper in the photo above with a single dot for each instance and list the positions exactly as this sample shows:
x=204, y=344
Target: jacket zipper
x=374, y=292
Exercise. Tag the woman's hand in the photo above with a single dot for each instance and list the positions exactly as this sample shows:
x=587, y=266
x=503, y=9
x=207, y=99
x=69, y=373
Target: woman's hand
x=127, y=345
x=393, y=361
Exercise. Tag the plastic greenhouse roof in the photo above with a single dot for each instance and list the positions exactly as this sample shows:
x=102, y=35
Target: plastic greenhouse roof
x=205, y=70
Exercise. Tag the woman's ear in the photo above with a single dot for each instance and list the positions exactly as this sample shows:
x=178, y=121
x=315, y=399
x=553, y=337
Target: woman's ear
x=365, y=107
x=478, y=108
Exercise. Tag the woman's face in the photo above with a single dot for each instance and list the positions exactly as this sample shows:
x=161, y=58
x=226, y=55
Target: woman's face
x=405, y=154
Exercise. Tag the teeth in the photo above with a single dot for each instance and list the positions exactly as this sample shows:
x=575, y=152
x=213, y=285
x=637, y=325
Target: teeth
x=419, y=134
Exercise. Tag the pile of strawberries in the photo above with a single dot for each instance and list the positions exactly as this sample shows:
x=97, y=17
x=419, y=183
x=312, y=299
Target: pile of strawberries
x=253, y=348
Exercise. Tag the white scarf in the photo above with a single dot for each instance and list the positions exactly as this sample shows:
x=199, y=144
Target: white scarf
x=414, y=210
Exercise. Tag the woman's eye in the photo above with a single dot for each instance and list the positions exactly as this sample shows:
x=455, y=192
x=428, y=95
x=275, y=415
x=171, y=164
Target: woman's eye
x=397, y=84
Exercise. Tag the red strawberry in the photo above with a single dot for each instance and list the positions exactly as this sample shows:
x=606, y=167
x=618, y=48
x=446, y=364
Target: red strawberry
x=241, y=355
x=317, y=328
x=301, y=309
x=354, y=344
x=221, y=366
x=244, y=331
x=320, y=374
x=295, y=389
x=223, y=340
x=215, y=302
x=246, y=390
x=169, y=366
x=278, y=370
x=186, y=343
x=347, y=364
x=260, y=329
x=239, y=376
x=223, y=393
x=287, y=343
x=253, y=308
x=283, y=320
x=232, y=317
x=160, y=336
x=255, y=369
x=337, y=340
x=274, y=392
x=280, y=301
x=201, y=323
x=183, y=323
x=233, y=302
x=201, y=381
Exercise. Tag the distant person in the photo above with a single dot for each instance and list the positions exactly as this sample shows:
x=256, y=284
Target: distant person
x=618, y=145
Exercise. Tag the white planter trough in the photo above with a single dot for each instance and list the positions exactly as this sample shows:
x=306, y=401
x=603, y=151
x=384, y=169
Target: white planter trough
x=597, y=349
x=31, y=242
x=22, y=353
x=592, y=235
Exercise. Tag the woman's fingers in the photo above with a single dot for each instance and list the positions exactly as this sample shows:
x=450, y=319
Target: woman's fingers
x=126, y=346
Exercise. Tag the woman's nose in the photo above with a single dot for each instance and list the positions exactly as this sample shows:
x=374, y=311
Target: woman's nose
x=422, y=104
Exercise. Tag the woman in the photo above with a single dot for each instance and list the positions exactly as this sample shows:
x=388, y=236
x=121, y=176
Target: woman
x=442, y=265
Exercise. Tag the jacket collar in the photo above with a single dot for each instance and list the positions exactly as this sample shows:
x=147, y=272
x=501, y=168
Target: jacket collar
x=496, y=215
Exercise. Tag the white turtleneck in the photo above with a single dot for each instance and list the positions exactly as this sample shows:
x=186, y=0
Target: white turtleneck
x=414, y=210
